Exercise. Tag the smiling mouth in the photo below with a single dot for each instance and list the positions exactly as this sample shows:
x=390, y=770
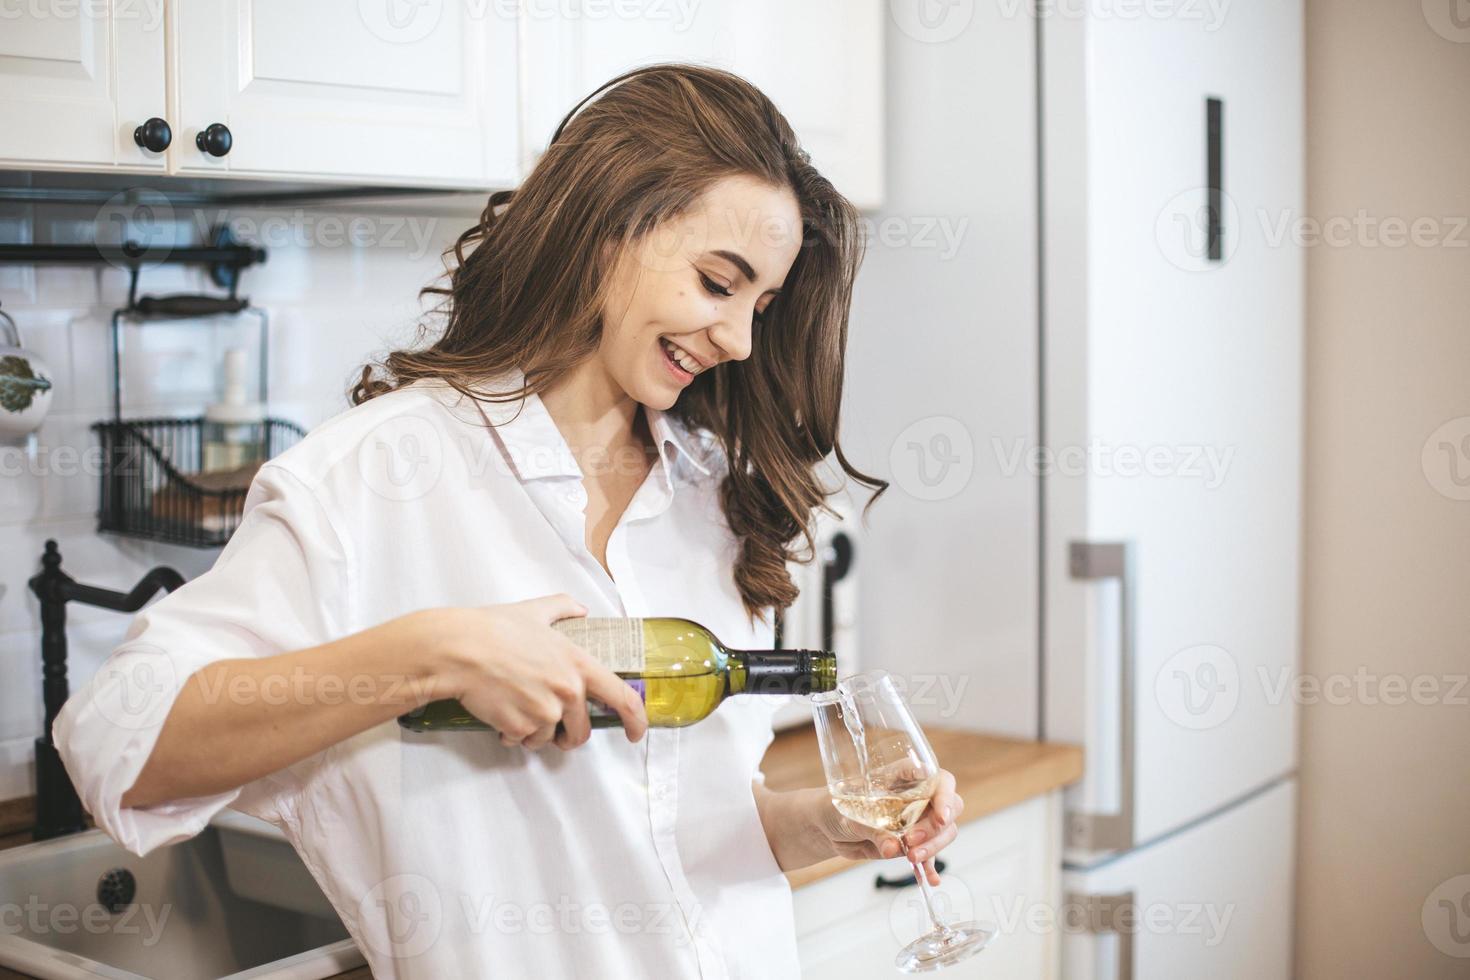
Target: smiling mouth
x=680, y=358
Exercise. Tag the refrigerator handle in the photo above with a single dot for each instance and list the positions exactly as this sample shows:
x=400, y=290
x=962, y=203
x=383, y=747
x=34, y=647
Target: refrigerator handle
x=1093, y=561
x=1108, y=913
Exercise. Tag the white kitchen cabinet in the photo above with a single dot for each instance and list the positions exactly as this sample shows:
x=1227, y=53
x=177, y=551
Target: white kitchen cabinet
x=73, y=88
x=820, y=61
x=426, y=94
x=421, y=94
x=1003, y=869
x=410, y=95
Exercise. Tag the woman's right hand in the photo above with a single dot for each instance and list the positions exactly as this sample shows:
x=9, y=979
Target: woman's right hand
x=511, y=670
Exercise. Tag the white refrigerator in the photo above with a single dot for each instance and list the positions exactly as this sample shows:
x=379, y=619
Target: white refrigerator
x=1109, y=366
x=1172, y=156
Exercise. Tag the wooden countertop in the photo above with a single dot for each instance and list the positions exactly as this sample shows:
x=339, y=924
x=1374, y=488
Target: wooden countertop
x=991, y=773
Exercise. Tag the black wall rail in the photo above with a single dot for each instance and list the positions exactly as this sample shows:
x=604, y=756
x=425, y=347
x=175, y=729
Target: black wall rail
x=224, y=256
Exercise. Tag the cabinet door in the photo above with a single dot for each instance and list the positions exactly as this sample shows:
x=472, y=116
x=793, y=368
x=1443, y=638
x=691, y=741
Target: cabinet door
x=820, y=61
x=417, y=94
x=74, y=87
x=1003, y=870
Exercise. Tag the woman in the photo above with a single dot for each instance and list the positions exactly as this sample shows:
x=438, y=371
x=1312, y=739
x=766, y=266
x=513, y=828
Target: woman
x=639, y=373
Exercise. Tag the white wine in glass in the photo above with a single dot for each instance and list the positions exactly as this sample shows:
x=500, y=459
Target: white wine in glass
x=881, y=773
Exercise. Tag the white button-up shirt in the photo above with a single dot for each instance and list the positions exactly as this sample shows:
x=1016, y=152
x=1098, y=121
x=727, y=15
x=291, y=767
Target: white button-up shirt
x=447, y=854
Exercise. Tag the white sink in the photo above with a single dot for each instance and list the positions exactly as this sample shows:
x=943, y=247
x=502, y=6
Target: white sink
x=234, y=901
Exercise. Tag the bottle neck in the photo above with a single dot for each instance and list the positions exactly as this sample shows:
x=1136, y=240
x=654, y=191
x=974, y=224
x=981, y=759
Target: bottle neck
x=782, y=671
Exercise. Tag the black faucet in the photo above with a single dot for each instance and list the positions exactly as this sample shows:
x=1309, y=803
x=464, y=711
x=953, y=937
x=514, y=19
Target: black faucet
x=58, y=808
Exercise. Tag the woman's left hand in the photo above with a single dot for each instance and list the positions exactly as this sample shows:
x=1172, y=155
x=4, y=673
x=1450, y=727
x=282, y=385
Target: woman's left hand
x=932, y=833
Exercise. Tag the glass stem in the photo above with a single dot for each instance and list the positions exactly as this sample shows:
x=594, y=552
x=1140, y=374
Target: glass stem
x=940, y=929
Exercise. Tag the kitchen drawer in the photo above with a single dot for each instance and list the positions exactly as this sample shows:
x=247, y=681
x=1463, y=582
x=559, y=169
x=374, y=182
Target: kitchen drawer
x=1003, y=870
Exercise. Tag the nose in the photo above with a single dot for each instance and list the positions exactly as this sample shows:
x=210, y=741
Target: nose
x=732, y=336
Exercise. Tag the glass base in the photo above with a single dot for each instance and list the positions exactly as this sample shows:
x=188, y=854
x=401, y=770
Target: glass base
x=944, y=947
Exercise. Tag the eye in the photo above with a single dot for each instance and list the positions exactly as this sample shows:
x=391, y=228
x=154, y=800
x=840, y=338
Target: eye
x=714, y=287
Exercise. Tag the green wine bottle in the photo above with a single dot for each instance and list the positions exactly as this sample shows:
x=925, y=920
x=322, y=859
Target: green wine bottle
x=681, y=670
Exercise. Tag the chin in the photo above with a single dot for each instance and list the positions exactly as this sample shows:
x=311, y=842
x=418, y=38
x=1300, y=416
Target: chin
x=661, y=397
x=654, y=392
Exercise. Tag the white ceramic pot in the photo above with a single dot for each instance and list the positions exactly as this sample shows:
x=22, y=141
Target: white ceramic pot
x=25, y=384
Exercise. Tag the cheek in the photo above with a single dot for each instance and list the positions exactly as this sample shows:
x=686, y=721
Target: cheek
x=627, y=347
x=672, y=308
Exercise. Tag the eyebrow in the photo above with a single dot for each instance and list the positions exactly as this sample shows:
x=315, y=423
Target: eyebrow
x=738, y=260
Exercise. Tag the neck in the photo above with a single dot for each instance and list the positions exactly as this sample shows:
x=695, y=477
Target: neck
x=593, y=413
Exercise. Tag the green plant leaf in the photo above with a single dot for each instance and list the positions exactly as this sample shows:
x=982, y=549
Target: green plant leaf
x=19, y=384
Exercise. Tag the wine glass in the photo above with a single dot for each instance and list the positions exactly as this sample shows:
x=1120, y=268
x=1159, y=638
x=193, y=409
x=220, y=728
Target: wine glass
x=881, y=773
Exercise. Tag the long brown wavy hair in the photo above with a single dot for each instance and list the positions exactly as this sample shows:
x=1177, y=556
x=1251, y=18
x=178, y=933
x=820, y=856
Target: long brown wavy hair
x=531, y=293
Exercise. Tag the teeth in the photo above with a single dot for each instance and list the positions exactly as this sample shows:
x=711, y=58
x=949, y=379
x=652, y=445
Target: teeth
x=684, y=360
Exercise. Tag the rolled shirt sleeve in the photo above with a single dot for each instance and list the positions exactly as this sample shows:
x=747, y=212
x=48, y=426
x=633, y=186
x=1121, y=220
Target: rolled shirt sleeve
x=282, y=583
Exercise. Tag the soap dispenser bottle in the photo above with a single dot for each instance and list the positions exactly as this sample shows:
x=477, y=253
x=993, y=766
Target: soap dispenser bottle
x=233, y=426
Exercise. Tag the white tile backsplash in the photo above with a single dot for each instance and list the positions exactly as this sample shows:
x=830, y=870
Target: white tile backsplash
x=339, y=289
x=17, y=768
x=17, y=282
x=20, y=695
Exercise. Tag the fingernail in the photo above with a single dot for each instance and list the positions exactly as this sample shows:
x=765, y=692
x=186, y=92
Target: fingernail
x=921, y=854
x=947, y=812
x=917, y=837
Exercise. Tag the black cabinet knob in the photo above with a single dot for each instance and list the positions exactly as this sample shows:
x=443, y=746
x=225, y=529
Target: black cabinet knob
x=215, y=140
x=153, y=135
x=904, y=881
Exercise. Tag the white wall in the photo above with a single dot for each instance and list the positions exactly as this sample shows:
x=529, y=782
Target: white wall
x=1385, y=787
x=942, y=381
x=335, y=292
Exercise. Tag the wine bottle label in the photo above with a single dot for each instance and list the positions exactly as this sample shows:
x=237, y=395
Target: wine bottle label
x=617, y=644
x=596, y=709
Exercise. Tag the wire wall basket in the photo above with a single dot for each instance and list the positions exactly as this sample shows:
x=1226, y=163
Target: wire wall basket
x=159, y=482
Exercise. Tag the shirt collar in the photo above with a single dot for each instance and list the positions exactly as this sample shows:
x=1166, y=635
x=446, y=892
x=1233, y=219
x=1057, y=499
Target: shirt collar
x=538, y=449
x=668, y=430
